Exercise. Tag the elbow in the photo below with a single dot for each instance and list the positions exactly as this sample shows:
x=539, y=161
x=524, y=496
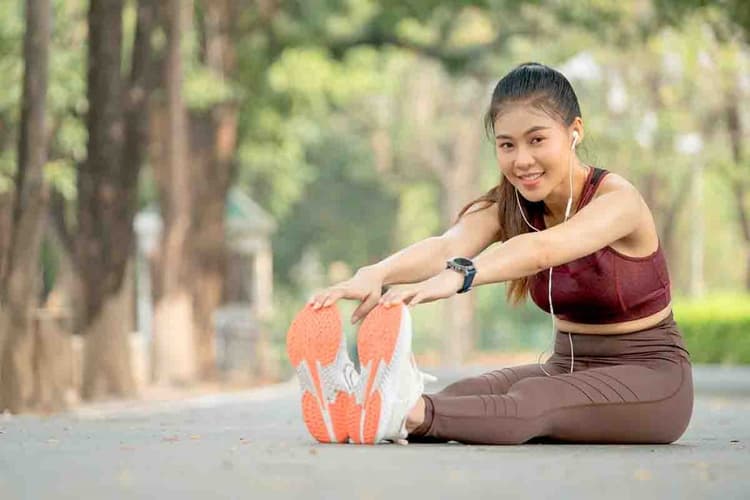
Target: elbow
x=541, y=251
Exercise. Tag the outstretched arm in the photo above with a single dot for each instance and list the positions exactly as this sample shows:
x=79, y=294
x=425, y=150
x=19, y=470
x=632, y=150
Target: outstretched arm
x=476, y=230
x=611, y=216
x=473, y=232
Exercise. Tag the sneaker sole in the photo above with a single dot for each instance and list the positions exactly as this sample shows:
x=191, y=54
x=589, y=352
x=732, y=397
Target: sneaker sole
x=380, y=344
x=314, y=342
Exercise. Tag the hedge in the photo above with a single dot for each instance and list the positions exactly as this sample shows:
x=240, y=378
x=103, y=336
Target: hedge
x=716, y=328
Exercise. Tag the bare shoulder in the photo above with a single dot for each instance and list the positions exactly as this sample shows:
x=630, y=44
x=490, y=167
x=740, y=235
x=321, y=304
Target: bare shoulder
x=613, y=182
x=644, y=240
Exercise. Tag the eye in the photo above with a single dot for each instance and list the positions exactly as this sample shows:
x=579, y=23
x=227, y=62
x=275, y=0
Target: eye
x=537, y=139
x=505, y=145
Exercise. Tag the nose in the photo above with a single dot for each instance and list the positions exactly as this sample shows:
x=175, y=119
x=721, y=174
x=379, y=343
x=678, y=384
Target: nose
x=522, y=158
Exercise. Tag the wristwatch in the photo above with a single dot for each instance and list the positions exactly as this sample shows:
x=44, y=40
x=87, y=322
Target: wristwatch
x=465, y=267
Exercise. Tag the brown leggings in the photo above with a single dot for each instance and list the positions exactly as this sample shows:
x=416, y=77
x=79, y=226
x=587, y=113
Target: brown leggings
x=630, y=388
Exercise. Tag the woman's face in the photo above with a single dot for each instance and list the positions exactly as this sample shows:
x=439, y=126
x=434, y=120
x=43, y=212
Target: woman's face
x=533, y=150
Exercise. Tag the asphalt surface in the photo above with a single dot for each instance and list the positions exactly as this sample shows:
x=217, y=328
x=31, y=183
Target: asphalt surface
x=254, y=445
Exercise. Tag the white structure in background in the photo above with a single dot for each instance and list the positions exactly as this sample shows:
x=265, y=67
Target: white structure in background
x=646, y=133
x=582, y=67
x=691, y=145
x=248, y=290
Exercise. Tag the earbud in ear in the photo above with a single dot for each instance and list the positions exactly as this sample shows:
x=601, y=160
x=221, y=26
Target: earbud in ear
x=575, y=139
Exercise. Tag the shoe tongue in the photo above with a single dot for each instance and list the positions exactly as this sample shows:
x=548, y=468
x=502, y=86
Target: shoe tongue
x=350, y=376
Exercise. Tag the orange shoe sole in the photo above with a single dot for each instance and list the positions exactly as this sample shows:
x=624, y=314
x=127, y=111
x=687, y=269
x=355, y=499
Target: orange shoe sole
x=377, y=339
x=316, y=348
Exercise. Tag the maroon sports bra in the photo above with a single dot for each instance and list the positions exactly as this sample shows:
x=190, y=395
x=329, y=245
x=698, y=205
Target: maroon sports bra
x=605, y=286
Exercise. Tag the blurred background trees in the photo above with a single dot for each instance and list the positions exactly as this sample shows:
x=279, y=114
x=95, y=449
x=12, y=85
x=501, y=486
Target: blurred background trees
x=176, y=178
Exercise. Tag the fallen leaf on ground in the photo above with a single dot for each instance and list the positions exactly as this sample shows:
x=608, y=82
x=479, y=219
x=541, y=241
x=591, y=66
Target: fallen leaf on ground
x=642, y=475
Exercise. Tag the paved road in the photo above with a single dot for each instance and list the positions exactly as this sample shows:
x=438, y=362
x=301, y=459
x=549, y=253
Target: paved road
x=254, y=445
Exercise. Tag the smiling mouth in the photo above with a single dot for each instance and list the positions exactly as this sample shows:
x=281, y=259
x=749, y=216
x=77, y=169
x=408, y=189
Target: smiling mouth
x=531, y=177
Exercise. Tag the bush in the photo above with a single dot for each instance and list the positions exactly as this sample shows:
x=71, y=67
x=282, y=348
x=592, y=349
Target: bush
x=716, y=328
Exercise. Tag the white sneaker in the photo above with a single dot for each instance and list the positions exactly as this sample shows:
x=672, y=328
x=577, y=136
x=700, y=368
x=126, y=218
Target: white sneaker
x=316, y=347
x=389, y=381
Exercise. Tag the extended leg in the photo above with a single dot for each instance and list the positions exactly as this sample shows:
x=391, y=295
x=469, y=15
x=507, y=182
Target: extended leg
x=615, y=404
x=499, y=381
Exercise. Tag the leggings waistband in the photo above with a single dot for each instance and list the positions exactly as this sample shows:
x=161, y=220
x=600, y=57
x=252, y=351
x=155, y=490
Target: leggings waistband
x=663, y=339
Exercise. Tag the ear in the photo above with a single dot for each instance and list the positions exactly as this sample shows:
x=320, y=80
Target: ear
x=577, y=127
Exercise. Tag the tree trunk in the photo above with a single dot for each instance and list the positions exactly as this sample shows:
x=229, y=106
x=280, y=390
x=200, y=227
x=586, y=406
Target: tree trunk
x=18, y=285
x=107, y=189
x=454, y=161
x=6, y=225
x=174, y=346
x=460, y=185
x=107, y=371
x=208, y=240
x=740, y=181
x=53, y=362
x=214, y=139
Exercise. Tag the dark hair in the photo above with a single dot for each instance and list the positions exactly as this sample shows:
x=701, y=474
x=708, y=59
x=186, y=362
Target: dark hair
x=544, y=88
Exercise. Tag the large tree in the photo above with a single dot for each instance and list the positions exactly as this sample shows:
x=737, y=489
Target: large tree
x=174, y=343
x=107, y=188
x=213, y=147
x=19, y=282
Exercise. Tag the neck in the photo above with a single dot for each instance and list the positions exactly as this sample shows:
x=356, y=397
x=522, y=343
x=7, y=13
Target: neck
x=557, y=200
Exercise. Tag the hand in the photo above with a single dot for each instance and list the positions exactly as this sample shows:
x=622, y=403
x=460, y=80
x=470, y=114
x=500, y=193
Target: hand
x=366, y=286
x=440, y=286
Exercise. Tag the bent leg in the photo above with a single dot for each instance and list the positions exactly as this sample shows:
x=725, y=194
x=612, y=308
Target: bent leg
x=498, y=381
x=614, y=404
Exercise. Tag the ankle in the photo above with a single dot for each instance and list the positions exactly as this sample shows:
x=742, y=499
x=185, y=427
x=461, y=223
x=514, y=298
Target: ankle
x=415, y=417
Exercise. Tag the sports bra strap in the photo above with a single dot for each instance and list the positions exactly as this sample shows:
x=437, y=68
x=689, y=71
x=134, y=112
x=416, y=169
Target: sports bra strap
x=592, y=184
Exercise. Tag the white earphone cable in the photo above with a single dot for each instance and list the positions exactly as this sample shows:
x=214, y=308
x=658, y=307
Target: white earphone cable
x=549, y=289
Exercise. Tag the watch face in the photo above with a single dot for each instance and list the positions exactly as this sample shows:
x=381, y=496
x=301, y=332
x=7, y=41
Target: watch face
x=462, y=261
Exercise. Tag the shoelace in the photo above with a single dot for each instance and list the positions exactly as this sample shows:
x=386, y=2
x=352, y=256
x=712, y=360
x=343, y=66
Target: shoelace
x=351, y=377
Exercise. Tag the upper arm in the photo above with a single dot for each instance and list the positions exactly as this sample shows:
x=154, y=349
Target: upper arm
x=477, y=229
x=612, y=215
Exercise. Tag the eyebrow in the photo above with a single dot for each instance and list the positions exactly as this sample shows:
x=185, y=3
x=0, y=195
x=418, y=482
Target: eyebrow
x=532, y=129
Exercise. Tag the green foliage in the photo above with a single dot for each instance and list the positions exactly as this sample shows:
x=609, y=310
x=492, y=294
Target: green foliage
x=504, y=327
x=345, y=213
x=716, y=329
x=203, y=89
x=11, y=67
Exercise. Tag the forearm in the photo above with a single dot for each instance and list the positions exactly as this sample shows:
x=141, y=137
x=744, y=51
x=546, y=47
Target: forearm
x=515, y=258
x=415, y=263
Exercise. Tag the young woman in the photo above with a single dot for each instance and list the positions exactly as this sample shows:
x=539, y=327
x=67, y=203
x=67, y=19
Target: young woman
x=579, y=240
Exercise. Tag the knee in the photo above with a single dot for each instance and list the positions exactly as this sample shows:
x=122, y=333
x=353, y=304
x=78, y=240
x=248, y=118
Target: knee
x=466, y=387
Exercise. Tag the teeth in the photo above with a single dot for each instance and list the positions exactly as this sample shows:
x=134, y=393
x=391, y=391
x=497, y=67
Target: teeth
x=531, y=176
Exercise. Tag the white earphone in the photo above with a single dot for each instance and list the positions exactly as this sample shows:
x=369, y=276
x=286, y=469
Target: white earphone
x=570, y=198
x=549, y=290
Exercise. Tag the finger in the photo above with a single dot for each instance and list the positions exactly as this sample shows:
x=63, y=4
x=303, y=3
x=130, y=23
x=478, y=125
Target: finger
x=395, y=299
x=416, y=299
x=334, y=294
x=365, y=307
x=332, y=297
x=315, y=298
x=408, y=296
x=319, y=301
x=389, y=297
